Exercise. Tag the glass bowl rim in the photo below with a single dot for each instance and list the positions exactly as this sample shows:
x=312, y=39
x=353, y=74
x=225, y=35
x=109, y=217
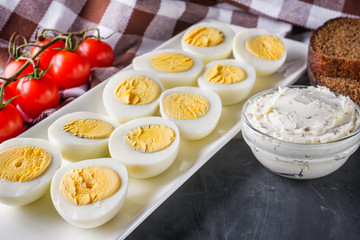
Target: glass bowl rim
x=268, y=91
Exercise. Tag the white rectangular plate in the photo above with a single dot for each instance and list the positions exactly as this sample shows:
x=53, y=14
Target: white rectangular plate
x=40, y=220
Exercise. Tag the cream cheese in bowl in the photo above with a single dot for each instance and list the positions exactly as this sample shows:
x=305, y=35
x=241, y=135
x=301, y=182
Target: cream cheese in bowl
x=301, y=132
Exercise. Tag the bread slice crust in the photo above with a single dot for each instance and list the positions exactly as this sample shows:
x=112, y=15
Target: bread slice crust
x=334, y=57
x=334, y=48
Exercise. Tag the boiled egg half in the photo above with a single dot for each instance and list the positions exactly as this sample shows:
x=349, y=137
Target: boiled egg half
x=132, y=94
x=231, y=79
x=89, y=193
x=27, y=166
x=260, y=48
x=210, y=41
x=194, y=110
x=172, y=66
x=146, y=146
x=82, y=135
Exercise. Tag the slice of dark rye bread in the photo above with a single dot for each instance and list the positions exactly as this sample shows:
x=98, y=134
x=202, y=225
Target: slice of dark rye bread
x=334, y=57
x=345, y=86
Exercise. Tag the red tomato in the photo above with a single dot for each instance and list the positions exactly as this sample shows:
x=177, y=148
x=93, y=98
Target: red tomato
x=37, y=95
x=9, y=92
x=11, y=69
x=45, y=57
x=11, y=123
x=14, y=66
x=69, y=69
x=99, y=53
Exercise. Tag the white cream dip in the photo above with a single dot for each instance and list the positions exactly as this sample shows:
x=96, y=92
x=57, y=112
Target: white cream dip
x=303, y=115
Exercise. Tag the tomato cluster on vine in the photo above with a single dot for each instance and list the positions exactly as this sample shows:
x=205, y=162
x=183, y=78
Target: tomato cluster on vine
x=32, y=82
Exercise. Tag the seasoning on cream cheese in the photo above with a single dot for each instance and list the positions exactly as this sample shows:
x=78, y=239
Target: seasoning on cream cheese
x=150, y=138
x=137, y=90
x=185, y=106
x=265, y=47
x=89, y=128
x=171, y=62
x=24, y=163
x=303, y=115
x=91, y=184
x=225, y=74
x=204, y=37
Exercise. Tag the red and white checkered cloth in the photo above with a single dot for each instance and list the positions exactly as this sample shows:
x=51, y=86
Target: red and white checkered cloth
x=140, y=26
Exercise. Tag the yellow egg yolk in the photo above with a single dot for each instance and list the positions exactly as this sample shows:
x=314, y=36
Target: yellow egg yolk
x=89, y=128
x=137, y=90
x=225, y=74
x=185, y=106
x=265, y=47
x=150, y=138
x=171, y=62
x=23, y=163
x=204, y=37
x=91, y=184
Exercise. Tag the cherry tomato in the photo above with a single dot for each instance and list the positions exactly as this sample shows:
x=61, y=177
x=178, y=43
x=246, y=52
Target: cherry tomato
x=69, y=69
x=37, y=95
x=11, y=123
x=14, y=66
x=99, y=53
x=11, y=69
x=45, y=57
x=8, y=92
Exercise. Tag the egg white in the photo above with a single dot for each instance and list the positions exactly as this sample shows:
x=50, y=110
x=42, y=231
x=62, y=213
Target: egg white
x=230, y=93
x=95, y=214
x=125, y=112
x=170, y=80
x=194, y=129
x=208, y=54
x=262, y=67
x=76, y=148
x=138, y=164
x=22, y=193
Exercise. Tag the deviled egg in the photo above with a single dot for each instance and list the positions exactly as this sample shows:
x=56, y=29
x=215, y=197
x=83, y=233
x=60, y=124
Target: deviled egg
x=210, y=41
x=194, y=110
x=82, y=135
x=26, y=168
x=172, y=66
x=260, y=48
x=146, y=146
x=232, y=80
x=89, y=193
x=132, y=94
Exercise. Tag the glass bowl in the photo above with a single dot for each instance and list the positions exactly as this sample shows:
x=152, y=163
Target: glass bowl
x=298, y=160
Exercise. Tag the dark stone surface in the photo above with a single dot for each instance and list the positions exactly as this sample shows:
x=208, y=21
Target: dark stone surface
x=234, y=197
